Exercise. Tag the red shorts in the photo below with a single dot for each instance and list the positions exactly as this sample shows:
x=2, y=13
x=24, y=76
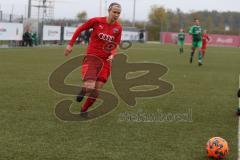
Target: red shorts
x=95, y=68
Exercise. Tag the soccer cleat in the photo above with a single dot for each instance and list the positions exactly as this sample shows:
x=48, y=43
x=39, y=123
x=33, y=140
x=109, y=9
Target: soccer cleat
x=80, y=96
x=200, y=64
x=83, y=113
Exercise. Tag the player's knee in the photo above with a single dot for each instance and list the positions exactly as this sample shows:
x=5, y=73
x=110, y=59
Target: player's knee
x=89, y=84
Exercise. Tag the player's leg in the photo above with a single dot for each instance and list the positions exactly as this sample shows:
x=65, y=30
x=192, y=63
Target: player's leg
x=203, y=51
x=199, y=46
x=192, y=52
x=192, y=55
x=181, y=47
x=92, y=96
x=180, y=44
x=90, y=69
x=88, y=87
x=199, y=56
x=101, y=80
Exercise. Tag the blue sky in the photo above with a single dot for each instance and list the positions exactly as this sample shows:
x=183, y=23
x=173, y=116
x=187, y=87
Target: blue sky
x=69, y=8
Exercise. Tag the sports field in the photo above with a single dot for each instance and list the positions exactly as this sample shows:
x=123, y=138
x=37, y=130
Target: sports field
x=204, y=97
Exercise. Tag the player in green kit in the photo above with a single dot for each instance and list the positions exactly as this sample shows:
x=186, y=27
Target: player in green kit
x=196, y=32
x=181, y=38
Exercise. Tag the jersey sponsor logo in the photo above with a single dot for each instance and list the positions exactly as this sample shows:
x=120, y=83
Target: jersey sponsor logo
x=198, y=30
x=115, y=30
x=106, y=37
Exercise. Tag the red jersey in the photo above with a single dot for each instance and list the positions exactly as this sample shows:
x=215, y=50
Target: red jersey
x=103, y=33
x=205, y=39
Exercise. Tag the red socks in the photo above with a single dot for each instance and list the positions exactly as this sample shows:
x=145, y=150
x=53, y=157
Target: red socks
x=90, y=100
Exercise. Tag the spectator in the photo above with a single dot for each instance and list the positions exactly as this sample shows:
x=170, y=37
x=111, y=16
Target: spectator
x=35, y=39
x=87, y=35
x=27, y=39
x=141, y=36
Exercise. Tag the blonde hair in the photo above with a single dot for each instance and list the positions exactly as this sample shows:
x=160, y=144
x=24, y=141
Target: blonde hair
x=113, y=4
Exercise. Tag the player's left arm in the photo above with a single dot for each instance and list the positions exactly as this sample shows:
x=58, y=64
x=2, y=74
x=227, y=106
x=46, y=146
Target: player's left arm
x=117, y=42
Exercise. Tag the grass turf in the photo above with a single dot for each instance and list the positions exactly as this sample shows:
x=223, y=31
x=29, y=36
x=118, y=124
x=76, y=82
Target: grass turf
x=30, y=129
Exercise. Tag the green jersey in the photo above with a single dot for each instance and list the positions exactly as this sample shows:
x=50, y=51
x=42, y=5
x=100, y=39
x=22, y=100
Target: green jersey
x=181, y=36
x=196, y=32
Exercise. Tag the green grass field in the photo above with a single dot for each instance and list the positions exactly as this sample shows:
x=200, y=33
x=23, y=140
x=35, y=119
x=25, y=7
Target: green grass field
x=31, y=131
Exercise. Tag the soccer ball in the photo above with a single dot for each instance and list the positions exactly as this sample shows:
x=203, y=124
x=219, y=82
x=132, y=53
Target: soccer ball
x=217, y=147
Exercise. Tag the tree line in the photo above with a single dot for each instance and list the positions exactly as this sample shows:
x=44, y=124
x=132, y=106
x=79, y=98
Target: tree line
x=167, y=20
x=161, y=19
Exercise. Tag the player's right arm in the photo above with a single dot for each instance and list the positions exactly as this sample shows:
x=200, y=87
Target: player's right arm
x=89, y=24
x=191, y=30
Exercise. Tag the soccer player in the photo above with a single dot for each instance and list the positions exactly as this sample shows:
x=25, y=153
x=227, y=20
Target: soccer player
x=205, y=40
x=196, y=32
x=96, y=65
x=181, y=38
